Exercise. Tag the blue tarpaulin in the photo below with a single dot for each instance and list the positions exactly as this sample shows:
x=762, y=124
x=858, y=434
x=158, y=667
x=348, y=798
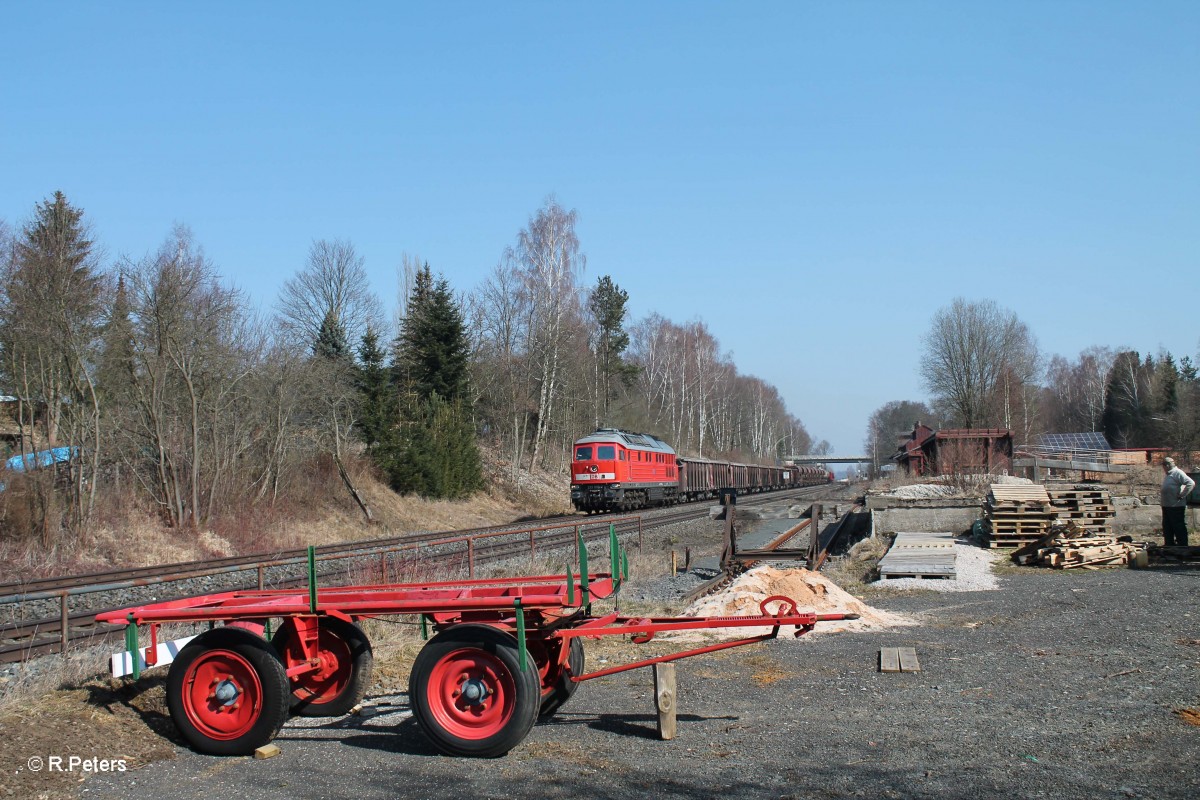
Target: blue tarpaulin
x=42, y=458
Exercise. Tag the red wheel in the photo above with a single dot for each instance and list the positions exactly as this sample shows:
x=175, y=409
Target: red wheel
x=227, y=692
x=340, y=681
x=557, y=686
x=469, y=693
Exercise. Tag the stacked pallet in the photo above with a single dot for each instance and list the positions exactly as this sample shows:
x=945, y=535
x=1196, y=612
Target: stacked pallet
x=1016, y=514
x=1088, y=507
x=1068, y=545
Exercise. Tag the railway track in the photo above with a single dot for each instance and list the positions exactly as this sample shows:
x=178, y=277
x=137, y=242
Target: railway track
x=391, y=559
x=826, y=538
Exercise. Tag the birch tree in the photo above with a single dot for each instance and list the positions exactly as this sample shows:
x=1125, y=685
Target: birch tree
x=550, y=265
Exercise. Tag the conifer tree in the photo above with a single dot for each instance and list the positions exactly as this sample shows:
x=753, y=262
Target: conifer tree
x=331, y=340
x=376, y=414
x=432, y=350
x=114, y=371
x=434, y=452
x=48, y=334
x=607, y=304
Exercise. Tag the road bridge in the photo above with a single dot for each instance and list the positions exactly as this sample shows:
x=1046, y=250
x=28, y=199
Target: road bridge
x=828, y=459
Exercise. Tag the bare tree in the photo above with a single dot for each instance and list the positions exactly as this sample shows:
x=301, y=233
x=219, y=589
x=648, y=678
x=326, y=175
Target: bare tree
x=500, y=317
x=978, y=358
x=890, y=424
x=333, y=285
x=189, y=360
x=1075, y=390
x=550, y=265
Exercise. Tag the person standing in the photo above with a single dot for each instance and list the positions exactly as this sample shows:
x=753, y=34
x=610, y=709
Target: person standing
x=1176, y=486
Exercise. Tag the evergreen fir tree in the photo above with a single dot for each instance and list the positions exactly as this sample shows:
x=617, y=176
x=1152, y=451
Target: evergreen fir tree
x=607, y=304
x=431, y=350
x=376, y=413
x=114, y=371
x=331, y=340
x=434, y=452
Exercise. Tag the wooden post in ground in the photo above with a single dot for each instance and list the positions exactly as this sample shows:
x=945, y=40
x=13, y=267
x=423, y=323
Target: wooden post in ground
x=814, y=534
x=664, y=699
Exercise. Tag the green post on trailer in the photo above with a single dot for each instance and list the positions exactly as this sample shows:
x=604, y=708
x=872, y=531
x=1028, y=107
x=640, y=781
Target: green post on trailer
x=312, y=579
x=614, y=556
x=586, y=599
x=522, y=659
x=131, y=644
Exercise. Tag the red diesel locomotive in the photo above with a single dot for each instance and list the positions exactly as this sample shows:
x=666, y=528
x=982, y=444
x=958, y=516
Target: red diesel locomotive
x=615, y=470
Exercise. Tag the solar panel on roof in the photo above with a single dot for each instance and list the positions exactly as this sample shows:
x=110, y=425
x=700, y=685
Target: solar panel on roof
x=1075, y=441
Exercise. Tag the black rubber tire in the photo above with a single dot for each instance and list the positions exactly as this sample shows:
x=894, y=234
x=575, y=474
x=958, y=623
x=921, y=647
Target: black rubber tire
x=564, y=687
x=362, y=662
x=273, y=709
x=501, y=651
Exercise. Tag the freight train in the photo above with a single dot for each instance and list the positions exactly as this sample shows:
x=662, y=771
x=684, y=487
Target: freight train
x=615, y=470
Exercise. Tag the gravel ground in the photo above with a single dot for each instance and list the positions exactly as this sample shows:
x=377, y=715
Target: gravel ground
x=1060, y=684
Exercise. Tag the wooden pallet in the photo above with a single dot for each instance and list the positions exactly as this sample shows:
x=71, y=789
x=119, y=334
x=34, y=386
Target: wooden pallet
x=1017, y=528
x=1020, y=508
x=1010, y=541
x=1016, y=519
x=1076, y=494
x=919, y=555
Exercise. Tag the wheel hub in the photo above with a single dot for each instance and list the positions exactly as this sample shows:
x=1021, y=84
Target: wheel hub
x=227, y=693
x=473, y=691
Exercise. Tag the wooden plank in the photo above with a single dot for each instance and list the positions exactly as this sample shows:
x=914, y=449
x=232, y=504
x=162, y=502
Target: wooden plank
x=664, y=699
x=908, y=659
x=889, y=659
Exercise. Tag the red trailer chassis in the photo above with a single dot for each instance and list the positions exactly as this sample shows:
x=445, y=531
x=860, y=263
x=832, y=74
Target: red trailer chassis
x=503, y=653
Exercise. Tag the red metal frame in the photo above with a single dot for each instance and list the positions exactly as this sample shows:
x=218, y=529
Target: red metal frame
x=550, y=607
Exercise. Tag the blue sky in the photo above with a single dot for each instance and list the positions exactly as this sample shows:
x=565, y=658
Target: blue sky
x=813, y=180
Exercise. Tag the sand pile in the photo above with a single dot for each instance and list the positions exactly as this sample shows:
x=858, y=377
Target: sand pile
x=811, y=591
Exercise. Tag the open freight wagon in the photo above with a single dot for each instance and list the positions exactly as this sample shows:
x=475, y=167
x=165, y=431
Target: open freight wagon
x=502, y=653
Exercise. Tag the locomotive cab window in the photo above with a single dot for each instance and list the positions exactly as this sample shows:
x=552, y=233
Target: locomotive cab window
x=606, y=451
x=622, y=454
x=583, y=454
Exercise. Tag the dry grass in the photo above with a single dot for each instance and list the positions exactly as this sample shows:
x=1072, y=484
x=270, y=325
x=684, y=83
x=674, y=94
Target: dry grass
x=1189, y=715
x=125, y=534
x=860, y=565
x=765, y=670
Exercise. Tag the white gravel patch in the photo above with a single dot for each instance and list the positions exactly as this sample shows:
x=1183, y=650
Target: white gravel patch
x=974, y=568
x=921, y=491
x=968, y=488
